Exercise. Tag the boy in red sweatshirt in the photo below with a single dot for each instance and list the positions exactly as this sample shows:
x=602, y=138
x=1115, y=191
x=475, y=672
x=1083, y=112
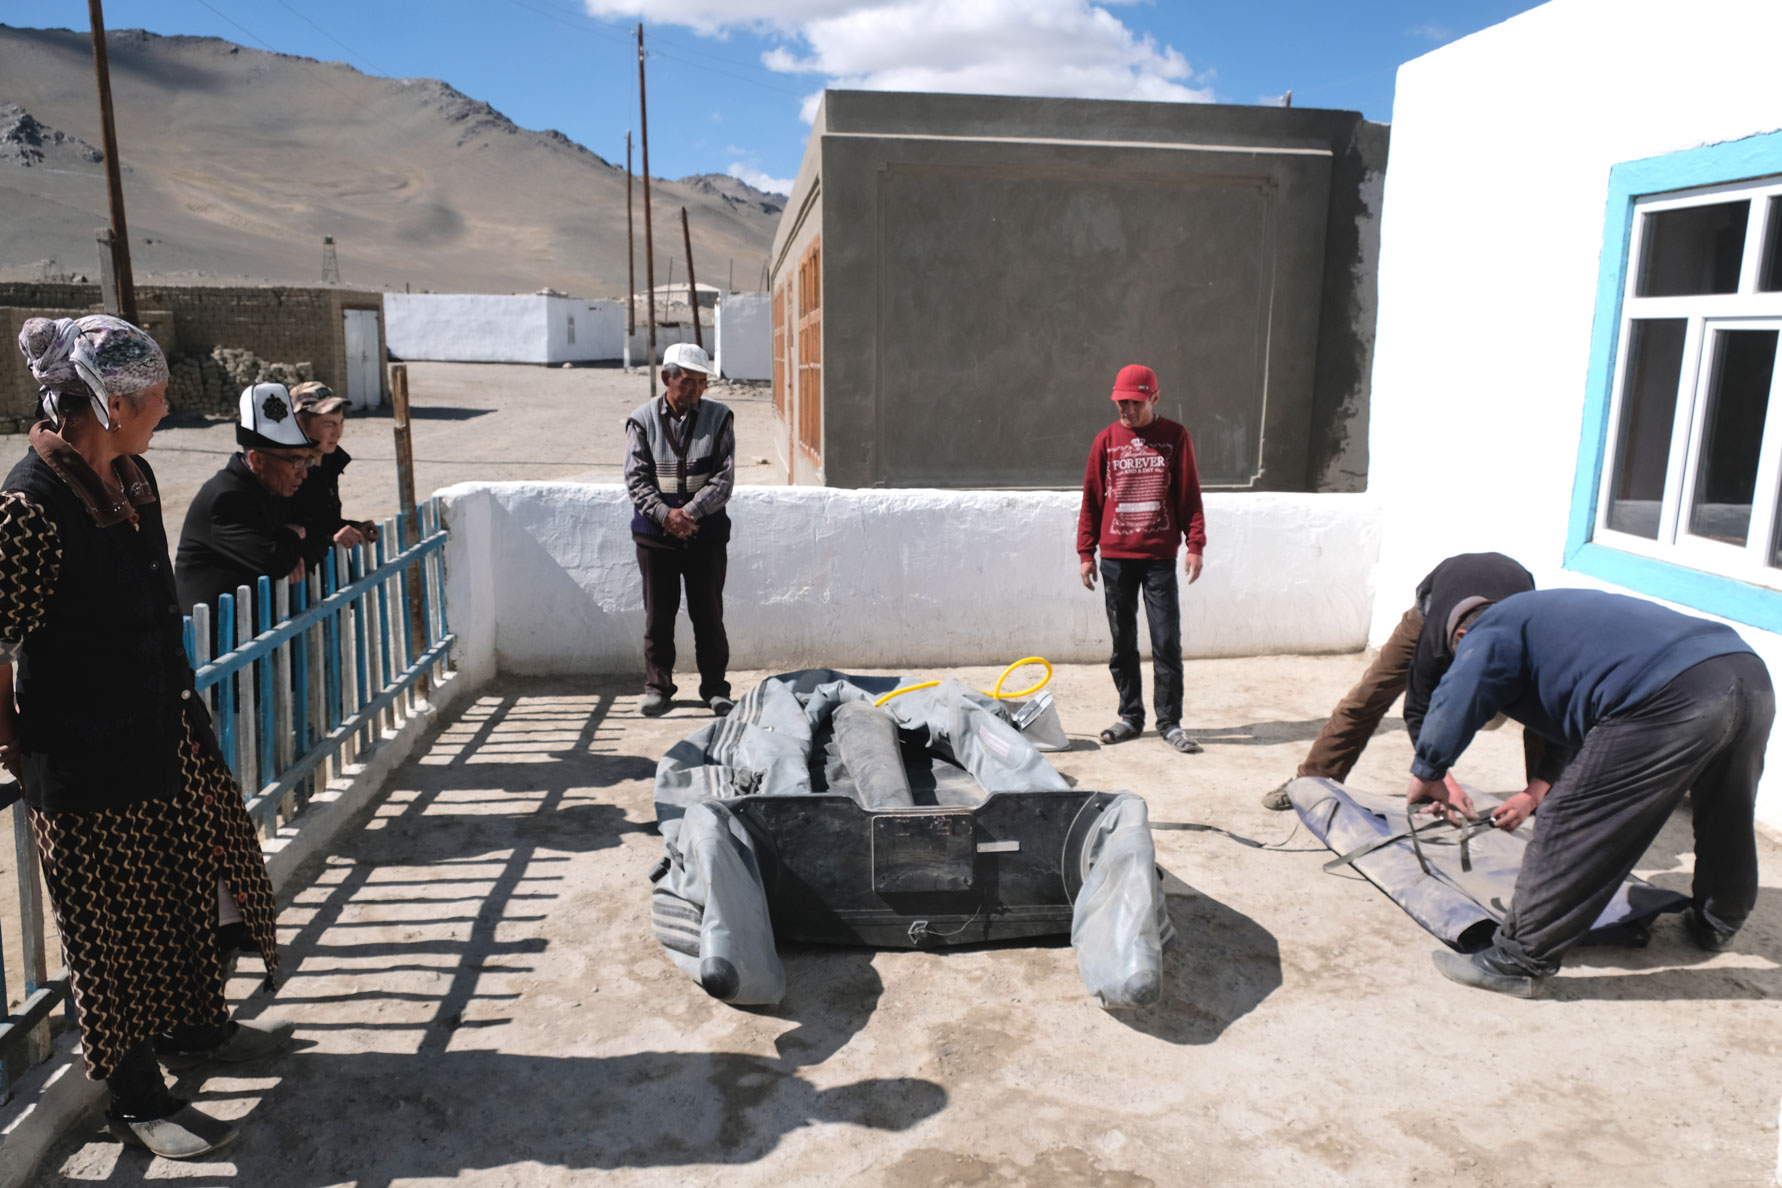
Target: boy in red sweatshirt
x=1141, y=497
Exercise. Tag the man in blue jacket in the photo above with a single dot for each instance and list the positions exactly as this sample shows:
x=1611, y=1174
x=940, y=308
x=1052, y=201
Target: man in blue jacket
x=1658, y=704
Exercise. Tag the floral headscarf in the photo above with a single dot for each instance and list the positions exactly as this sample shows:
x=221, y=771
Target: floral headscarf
x=109, y=355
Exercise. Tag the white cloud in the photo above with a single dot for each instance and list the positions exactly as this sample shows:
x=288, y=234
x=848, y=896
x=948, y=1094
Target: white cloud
x=1430, y=31
x=1064, y=48
x=760, y=180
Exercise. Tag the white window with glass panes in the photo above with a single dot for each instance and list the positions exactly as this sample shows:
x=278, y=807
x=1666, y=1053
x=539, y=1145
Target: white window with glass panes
x=1694, y=457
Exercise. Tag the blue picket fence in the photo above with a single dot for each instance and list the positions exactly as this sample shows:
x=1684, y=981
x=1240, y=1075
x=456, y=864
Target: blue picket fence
x=299, y=679
x=318, y=665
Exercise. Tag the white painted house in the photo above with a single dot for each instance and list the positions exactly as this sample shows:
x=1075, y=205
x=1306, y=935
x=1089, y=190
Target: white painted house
x=550, y=328
x=503, y=328
x=1580, y=305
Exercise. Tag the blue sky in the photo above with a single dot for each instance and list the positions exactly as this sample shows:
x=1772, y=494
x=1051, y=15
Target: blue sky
x=732, y=81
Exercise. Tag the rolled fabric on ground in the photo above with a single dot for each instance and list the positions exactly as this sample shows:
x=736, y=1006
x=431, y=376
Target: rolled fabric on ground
x=1119, y=920
x=709, y=909
x=1460, y=907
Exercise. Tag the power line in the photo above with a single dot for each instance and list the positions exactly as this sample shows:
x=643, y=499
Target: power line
x=376, y=69
x=586, y=24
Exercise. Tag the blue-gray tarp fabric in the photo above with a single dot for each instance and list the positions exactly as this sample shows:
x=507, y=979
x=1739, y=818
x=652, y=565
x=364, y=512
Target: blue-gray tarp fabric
x=708, y=901
x=1462, y=908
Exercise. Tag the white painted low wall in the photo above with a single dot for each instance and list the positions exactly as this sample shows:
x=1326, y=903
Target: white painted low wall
x=745, y=336
x=502, y=328
x=542, y=578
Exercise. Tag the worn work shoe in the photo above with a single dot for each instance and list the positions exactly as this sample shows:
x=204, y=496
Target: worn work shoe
x=1178, y=738
x=1487, y=971
x=246, y=1041
x=188, y=1134
x=721, y=706
x=1278, y=801
x=1709, y=933
x=653, y=704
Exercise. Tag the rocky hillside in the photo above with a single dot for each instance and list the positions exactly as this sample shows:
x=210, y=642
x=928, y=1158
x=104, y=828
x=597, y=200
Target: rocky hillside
x=237, y=162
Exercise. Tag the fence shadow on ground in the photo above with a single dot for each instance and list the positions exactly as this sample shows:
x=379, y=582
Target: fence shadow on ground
x=471, y=855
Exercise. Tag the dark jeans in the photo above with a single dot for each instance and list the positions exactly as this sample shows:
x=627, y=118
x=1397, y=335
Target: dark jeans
x=1121, y=582
x=1703, y=733
x=701, y=568
x=1346, y=732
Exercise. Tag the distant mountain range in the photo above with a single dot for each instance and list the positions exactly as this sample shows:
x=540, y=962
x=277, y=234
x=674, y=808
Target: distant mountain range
x=237, y=162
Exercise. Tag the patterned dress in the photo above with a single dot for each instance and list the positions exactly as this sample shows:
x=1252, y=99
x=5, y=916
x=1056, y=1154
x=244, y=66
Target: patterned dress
x=134, y=889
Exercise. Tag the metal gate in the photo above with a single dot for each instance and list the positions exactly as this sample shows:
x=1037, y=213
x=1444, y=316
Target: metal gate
x=364, y=388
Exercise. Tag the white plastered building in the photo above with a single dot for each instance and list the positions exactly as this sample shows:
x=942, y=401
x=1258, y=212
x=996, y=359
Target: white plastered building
x=1580, y=303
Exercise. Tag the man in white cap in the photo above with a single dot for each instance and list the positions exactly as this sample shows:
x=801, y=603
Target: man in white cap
x=680, y=467
x=235, y=529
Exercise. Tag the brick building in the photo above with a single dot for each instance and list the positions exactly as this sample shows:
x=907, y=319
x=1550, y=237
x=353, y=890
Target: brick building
x=211, y=333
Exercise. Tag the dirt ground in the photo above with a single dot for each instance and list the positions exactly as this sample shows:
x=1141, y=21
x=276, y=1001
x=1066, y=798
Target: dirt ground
x=475, y=421
x=480, y=1001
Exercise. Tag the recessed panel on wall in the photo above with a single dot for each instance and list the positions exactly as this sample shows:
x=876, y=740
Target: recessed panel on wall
x=1010, y=280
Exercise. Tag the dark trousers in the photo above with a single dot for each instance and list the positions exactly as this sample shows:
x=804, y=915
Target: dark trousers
x=701, y=568
x=1703, y=733
x=1346, y=732
x=138, y=1090
x=1122, y=580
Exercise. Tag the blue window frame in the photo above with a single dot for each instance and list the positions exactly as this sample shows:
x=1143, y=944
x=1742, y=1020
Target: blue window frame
x=1678, y=488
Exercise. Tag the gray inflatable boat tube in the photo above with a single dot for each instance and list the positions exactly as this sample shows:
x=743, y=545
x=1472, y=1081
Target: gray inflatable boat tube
x=1119, y=921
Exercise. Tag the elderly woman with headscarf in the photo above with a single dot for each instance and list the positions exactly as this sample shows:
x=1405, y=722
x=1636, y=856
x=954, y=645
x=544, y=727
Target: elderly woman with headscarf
x=153, y=866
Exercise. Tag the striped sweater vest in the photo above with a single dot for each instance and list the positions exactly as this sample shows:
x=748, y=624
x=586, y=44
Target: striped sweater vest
x=684, y=464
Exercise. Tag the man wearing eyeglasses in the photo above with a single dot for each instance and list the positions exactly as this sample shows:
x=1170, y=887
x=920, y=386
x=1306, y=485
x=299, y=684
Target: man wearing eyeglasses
x=235, y=529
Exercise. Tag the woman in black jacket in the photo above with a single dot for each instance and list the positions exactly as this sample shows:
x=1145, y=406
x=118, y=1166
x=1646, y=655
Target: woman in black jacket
x=153, y=866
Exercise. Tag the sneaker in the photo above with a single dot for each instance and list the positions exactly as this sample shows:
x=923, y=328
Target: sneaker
x=1278, y=801
x=653, y=704
x=188, y=1134
x=721, y=706
x=246, y=1041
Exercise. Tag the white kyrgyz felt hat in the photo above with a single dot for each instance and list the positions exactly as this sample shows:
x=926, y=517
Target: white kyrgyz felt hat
x=268, y=420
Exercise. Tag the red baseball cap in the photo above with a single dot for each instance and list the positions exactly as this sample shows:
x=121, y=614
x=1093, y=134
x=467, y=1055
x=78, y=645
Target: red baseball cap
x=1135, y=382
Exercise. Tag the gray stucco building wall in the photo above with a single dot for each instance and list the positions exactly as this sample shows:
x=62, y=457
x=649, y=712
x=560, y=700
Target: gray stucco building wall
x=981, y=266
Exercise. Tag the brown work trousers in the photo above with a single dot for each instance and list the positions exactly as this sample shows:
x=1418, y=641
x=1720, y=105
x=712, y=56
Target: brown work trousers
x=1346, y=733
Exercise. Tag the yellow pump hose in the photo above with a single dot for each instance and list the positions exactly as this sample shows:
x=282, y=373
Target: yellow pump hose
x=995, y=690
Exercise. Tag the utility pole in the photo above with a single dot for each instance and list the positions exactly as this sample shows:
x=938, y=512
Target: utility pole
x=114, y=181
x=643, y=120
x=692, y=285
x=630, y=262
